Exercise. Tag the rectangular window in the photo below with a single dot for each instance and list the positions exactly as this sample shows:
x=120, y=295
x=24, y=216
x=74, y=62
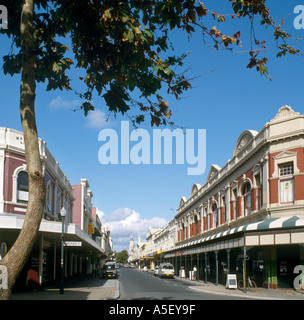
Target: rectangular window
x=258, y=192
x=224, y=209
x=286, y=169
x=234, y=197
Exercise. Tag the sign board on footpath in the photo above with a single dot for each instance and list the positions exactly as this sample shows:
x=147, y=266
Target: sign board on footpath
x=231, y=281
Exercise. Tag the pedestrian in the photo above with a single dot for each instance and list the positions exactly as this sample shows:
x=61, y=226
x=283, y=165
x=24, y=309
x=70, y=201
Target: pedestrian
x=194, y=273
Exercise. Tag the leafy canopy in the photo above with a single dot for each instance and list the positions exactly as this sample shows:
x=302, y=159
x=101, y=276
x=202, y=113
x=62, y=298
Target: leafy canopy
x=122, y=256
x=123, y=46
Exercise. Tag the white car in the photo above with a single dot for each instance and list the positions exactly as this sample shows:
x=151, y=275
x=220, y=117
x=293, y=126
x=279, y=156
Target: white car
x=166, y=270
x=145, y=268
x=156, y=269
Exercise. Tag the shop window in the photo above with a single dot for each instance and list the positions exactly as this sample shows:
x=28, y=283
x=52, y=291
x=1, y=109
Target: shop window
x=22, y=187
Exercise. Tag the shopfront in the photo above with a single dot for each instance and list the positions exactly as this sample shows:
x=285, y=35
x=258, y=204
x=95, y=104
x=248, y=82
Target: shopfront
x=271, y=249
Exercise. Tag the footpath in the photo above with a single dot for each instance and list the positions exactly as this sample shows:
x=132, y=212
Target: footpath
x=108, y=289
x=79, y=289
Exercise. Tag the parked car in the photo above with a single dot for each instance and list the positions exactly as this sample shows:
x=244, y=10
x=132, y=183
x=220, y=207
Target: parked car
x=156, y=269
x=132, y=265
x=145, y=268
x=109, y=270
x=166, y=270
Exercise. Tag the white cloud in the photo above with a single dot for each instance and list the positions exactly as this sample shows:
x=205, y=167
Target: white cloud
x=96, y=119
x=61, y=103
x=122, y=222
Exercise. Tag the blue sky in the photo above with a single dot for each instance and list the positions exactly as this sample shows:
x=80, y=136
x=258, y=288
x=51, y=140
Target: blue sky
x=225, y=102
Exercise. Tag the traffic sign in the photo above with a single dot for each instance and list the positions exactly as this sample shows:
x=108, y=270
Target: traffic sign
x=241, y=257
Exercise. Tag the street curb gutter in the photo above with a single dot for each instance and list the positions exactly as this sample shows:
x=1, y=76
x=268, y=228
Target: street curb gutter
x=117, y=291
x=234, y=295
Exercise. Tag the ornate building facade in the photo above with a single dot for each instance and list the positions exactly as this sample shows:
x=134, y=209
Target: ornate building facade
x=252, y=207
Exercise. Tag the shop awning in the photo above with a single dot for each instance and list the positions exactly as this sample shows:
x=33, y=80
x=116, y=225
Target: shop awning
x=53, y=230
x=283, y=223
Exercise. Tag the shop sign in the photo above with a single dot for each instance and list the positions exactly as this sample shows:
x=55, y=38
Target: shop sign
x=73, y=243
x=91, y=228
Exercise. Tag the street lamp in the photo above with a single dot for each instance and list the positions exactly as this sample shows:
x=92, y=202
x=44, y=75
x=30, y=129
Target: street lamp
x=63, y=214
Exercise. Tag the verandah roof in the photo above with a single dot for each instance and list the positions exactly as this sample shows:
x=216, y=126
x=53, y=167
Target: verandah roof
x=267, y=224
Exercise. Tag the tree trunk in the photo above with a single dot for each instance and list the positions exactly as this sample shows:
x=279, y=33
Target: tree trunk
x=20, y=251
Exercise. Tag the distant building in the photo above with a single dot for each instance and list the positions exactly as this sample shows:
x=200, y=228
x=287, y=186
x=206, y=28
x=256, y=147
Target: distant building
x=131, y=249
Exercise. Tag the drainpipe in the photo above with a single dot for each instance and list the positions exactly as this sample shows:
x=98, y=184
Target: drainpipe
x=216, y=267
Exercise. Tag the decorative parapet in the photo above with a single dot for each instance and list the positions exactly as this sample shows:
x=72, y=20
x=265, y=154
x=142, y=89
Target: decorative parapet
x=284, y=113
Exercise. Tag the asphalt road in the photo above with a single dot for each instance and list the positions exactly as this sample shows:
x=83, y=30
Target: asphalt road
x=139, y=285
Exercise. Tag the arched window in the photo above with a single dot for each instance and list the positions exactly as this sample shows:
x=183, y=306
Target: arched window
x=22, y=187
x=246, y=193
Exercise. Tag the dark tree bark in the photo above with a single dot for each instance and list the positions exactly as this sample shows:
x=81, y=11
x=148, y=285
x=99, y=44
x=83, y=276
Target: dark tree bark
x=19, y=253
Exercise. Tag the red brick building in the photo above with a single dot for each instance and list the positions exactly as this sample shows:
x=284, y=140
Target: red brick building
x=254, y=203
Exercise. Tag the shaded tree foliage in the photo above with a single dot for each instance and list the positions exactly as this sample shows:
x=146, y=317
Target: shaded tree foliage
x=123, y=48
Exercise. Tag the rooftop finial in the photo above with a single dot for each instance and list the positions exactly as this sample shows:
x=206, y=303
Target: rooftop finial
x=285, y=112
